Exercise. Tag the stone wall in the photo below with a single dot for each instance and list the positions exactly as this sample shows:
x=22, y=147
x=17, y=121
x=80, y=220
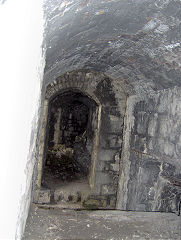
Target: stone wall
x=108, y=130
x=151, y=167
x=134, y=42
x=137, y=45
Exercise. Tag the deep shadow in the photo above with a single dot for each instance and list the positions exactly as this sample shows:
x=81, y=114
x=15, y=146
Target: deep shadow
x=70, y=133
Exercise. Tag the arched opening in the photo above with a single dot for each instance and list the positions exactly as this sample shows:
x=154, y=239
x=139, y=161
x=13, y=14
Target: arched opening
x=80, y=141
x=71, y=125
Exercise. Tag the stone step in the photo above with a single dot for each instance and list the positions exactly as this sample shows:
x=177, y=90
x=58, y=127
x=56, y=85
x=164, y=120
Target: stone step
x=84, y=199
x=60, y=195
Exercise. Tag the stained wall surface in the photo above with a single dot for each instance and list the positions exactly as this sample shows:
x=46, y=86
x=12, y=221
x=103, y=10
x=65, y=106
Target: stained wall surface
x=108, y=132
x=137, y=45
x=151, y=167
x=135, y=42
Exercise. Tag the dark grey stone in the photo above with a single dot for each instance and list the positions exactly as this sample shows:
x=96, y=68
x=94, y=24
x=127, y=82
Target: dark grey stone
x=136, y=41
x=136, y=44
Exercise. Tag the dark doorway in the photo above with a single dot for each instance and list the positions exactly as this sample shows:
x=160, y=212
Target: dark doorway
x=70, y=133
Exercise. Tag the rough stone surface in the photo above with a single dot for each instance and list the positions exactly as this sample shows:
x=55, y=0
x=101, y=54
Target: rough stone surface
x=152, y=169
x=136, y=43
x=43, y=196
x=108, y=123
x=46, y=224
x=110, y=49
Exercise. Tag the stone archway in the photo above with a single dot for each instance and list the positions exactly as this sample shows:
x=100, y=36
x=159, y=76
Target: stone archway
x=70, y=148
x=107, y=127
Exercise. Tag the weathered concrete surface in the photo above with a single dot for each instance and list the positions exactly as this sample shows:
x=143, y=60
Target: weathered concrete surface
x=54, y=224
x=135, y=42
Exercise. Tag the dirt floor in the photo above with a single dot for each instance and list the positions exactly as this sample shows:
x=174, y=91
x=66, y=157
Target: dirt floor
x=67, y=224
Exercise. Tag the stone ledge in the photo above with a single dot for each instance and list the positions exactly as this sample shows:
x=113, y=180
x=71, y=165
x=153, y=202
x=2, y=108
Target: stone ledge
x=42, y=196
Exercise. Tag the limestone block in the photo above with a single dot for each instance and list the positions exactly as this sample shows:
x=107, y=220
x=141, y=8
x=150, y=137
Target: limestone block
x=115, y=141
x=75, y=198
x=139, y=143
x=60, y=195
x=101, y=165
x=44, y=196
x=112, y=202
x=106, y=155
x=103, y=178
x=114, y=167
x=92, y=203
x=116, y=124
x=112, y=141
x=107, y=189
x=117, y=158
x=95, y=201
x=122, y=106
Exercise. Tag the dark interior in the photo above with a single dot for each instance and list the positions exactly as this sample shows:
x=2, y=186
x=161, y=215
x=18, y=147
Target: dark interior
x=69, y=138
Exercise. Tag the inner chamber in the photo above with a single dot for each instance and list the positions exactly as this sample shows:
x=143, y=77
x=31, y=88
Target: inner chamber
x=70, y=133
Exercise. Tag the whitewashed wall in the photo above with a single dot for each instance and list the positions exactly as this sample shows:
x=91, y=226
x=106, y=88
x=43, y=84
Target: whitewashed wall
x=21, y=70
